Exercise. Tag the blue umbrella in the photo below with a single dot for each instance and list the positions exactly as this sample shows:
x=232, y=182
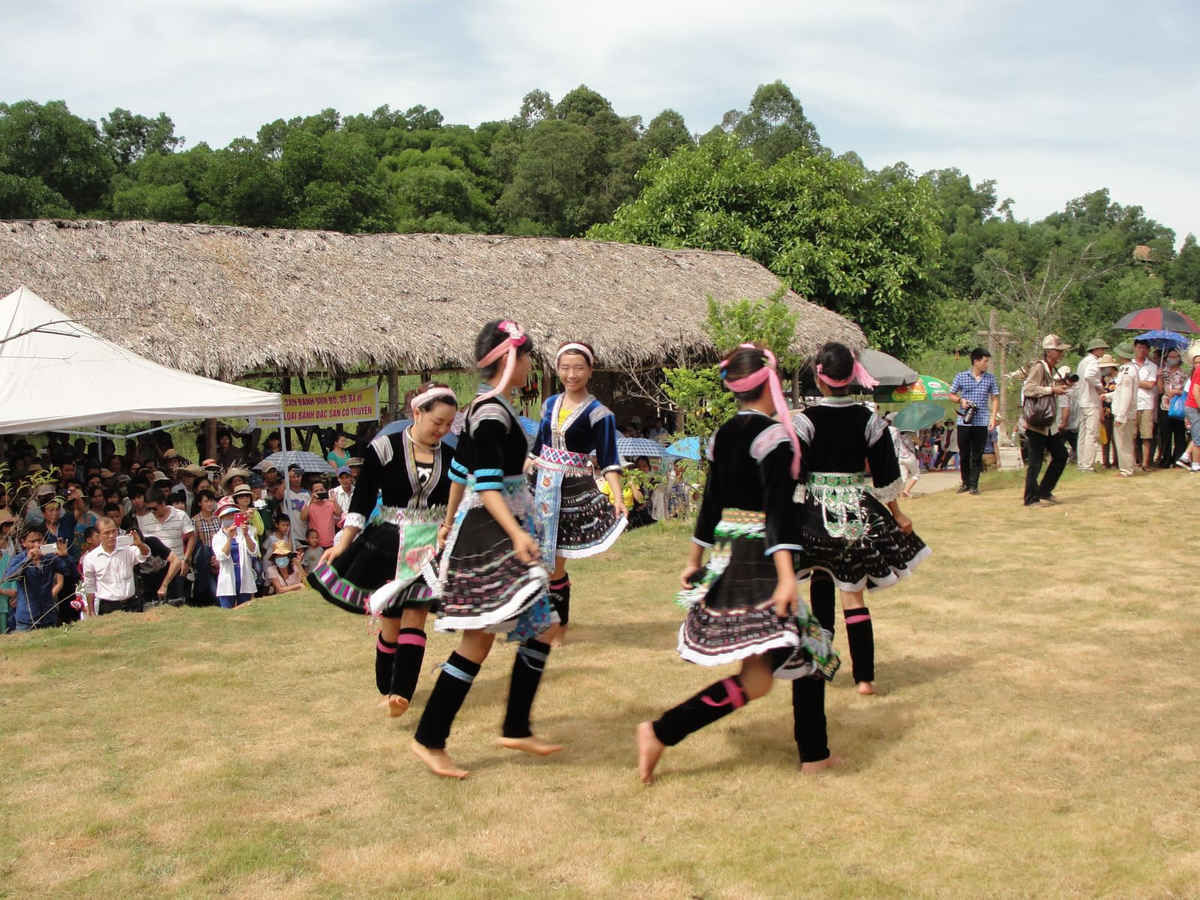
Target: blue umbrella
x=685, y=448
x=1162, y=338
x=632, y=448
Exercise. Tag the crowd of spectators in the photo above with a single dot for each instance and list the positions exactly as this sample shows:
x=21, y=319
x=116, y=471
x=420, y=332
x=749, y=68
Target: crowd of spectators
x=87, y=530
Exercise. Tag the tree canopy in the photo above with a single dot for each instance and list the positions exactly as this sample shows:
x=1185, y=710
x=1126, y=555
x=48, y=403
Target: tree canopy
x=919, y=261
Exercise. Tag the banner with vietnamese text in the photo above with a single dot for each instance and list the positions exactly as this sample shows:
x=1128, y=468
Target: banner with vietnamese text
x=329, y=409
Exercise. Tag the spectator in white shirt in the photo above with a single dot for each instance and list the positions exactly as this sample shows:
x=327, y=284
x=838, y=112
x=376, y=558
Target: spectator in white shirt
x=1088, y=395
x=175, y=529
x=234, y=546
x=344, y=491
x=295, y=498
x=108, y=581
x=1147, y=400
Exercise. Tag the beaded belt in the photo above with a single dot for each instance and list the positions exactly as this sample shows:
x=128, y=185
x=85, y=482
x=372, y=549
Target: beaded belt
x=840, y=495
x=397, y=515
x=741, y=523
x=564, y=461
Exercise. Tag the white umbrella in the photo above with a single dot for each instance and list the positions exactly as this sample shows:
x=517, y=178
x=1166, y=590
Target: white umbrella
x=309, y=462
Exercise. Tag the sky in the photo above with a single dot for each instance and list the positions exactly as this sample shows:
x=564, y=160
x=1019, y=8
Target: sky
x=1050, y=99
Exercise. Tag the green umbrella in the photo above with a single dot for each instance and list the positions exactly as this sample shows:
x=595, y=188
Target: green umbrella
x=926, y=387
x=919, y=414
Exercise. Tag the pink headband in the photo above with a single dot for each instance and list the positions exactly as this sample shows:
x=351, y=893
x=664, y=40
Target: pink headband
x=768, y=374
x=574, y=348
x=516, y=337
x=434, y=393
x=858, y=374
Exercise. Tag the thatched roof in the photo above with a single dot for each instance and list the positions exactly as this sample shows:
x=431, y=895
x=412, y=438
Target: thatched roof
x=224, y=302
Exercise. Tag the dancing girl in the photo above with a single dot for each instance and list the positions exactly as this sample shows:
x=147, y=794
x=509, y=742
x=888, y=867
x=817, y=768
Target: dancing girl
x=744, y=606
x=490, y=576
x=844, y=526
x=572, y=518
x=384, y=569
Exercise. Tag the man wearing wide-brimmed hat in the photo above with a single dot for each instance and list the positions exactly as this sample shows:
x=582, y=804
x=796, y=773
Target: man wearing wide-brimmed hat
x=1042, y=438
x=1124, y=409
x=1090, y=391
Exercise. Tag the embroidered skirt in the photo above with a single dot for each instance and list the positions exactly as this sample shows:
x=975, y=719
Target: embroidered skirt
x=730, y=614
x=843, y=529
x=414, y=579
x=571, y=517
x=368, y=564
x=481, y=583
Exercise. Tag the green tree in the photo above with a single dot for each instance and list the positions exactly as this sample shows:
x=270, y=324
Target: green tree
x=129, y=137
x=864, y=244
x=666, y=132
x=66, y=153
x=697, y=391
x=29, y=198
x=775, y=124
x=243, y=186
x=1183, y=275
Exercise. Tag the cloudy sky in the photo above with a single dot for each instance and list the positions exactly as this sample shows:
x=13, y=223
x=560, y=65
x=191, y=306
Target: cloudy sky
x=1051, y=99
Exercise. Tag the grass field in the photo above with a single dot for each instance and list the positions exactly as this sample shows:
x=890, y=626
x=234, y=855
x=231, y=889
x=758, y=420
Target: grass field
x=1037, y=733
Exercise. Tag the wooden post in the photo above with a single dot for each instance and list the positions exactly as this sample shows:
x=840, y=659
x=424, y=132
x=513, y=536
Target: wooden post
x=393, y=395
x=998, y=341
x=210, y=437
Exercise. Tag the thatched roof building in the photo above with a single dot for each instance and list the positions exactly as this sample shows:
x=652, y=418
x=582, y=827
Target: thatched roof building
x=297, y=301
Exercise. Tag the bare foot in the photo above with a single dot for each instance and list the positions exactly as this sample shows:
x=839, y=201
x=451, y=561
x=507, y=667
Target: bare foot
x=438, y=761
x=813, y=768
x=532, y=744
x=865, y=687
x=650, y=749
x=397, y=705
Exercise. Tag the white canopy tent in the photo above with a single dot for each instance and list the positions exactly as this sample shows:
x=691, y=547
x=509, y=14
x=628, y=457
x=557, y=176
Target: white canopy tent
x=57, y=375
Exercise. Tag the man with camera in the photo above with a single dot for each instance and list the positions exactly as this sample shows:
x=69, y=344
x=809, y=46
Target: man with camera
x=108, y=580
x=974, y=390
x=1039, y=409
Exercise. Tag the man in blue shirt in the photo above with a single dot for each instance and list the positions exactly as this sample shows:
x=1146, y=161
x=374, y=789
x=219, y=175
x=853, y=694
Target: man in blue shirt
x=978, y=398
x=38, y=578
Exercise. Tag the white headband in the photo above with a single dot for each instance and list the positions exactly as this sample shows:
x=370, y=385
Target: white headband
x=433, y=393
x=574, y=348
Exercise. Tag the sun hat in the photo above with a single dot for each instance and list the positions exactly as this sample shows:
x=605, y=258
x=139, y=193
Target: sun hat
x=242, y=489
x=193, y=470
x=1096, y=344
x=281, y=548
x=1054, y=342
x=158, y=476
x=226, y=507
x=211, y=464
x=1123, y=351
x=1107, y=362
x=172, y=454
x=354, y=461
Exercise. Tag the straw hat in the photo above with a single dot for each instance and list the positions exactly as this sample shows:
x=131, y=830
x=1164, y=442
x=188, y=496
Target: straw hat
x=242, y=490
x=281, y=548
x=1107, y=362
x=1054, y=342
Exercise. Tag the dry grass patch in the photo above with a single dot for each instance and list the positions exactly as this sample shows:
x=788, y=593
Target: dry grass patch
x=1036, y=734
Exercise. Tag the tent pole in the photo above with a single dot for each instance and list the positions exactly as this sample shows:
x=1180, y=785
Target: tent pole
x=282, y=428
x=210, y=438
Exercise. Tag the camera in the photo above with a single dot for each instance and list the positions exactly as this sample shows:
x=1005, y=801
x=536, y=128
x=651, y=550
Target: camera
x=240, y=520
x=967, y=412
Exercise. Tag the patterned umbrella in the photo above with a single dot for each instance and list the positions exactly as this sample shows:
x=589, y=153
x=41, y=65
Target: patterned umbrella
x=926, y=387
x=309, y=462
x=685, y=448
x=632, y=448
x=1157, y=318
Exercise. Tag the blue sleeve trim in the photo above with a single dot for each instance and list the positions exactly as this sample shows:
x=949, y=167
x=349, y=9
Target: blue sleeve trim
x=456, y=466
x=456, y=478
x=484, y=473
x=488, y=486
x=770, y=551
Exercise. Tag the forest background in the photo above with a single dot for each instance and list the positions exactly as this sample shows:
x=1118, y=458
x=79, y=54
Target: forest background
x=920, y=261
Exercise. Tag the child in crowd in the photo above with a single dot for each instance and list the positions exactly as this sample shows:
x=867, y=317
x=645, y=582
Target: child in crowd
x=39, y=578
